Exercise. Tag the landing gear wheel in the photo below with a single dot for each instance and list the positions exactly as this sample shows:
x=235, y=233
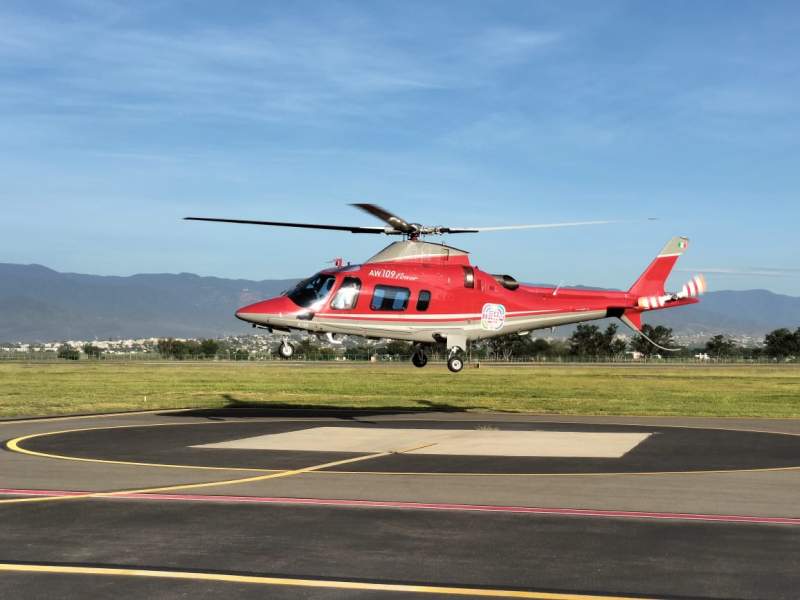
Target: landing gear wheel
x=286, y=350
x=455, y=363
x=419, y=359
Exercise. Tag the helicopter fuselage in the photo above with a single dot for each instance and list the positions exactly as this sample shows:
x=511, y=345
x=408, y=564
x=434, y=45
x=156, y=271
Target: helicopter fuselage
x=427, y=293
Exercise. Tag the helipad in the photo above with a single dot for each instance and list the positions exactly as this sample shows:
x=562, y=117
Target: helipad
x=463, y=442
x=367, y=503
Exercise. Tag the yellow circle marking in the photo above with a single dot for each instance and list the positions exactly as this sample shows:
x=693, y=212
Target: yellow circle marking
x=296, y=582
x=15, y=446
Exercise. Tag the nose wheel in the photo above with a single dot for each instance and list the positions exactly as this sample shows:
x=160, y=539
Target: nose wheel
x=285, y=350
x=455, y=359
x=419, y=358
x=455, y=363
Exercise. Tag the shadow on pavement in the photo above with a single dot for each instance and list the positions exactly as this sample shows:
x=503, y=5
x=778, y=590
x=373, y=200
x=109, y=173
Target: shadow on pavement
x=245, y=409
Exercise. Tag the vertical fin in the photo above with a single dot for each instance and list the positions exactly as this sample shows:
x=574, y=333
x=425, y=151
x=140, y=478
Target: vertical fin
x=651, y=282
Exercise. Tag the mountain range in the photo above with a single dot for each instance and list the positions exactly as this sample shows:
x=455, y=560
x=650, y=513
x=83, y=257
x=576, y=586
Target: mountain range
x=40, y=304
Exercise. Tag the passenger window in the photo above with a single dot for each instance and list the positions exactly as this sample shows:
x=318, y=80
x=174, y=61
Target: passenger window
x=347, y=295
x=387, y=297
x=423, y=300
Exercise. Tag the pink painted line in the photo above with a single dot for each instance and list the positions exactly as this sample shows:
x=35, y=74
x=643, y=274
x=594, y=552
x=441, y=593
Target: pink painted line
x=578, y=512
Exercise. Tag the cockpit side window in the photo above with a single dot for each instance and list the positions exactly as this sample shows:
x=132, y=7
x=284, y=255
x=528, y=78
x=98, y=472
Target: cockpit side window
x=346, y=296
x=312, y=290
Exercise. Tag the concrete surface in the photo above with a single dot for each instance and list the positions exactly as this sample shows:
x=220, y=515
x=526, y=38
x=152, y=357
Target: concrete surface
x=463, y=442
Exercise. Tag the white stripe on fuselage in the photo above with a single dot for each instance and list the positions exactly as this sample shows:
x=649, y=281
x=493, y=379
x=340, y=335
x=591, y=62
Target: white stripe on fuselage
x=466, y=324
x=431, y=317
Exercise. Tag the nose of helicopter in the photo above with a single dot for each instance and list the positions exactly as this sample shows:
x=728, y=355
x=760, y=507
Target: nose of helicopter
x=262, y=312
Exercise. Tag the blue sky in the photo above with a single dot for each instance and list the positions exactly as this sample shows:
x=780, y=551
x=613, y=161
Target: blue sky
x=118, y=119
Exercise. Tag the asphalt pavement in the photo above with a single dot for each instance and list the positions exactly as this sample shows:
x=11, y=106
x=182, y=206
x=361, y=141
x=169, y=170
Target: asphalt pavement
x=126, y=505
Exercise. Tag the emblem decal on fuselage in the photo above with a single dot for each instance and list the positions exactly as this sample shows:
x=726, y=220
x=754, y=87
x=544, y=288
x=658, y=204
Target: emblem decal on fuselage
x=493, y=317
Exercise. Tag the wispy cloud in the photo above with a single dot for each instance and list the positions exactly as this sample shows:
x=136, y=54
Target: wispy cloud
x=263, y=71
x=747, y=272
x=518, y=130
x=511, y=45
x=744, y=101
x=138, y=156
x=280, y=68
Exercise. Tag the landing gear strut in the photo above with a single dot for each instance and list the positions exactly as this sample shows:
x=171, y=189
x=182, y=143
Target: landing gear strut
x=419, y=358
x=286, y=350
x=456, y=343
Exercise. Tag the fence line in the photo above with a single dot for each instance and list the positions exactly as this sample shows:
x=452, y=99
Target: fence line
x=48, y=357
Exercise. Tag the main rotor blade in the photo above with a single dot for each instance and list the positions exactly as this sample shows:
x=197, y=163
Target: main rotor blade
x=299, y=225
x=532, y=226
x=394, y=221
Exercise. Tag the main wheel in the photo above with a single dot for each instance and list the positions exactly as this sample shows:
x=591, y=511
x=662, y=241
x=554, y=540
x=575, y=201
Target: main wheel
x=286, y=350
x=455, y=364
x=419, y=359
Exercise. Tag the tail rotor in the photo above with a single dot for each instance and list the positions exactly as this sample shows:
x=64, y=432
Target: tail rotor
x=696, y=286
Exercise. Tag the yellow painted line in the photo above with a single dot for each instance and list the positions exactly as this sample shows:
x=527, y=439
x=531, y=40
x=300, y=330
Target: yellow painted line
x=189, y=486
x=415, y=448
x=295, y=582
x=603, y=474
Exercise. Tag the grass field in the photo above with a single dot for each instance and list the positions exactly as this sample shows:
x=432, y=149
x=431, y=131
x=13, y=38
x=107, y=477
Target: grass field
x=34, y=389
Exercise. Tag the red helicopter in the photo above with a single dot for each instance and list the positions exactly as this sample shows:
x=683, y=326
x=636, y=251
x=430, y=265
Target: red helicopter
x=430, y=293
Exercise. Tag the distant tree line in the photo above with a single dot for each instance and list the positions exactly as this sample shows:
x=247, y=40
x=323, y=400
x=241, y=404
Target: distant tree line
x=309, y=350
x=591, y=342
x=782, y=343
x=67, y=352
x=587, y=342
x=92, y=351
x=202, y=349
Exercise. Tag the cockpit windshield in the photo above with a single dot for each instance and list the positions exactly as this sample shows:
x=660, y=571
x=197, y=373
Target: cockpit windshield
x=312, y=290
